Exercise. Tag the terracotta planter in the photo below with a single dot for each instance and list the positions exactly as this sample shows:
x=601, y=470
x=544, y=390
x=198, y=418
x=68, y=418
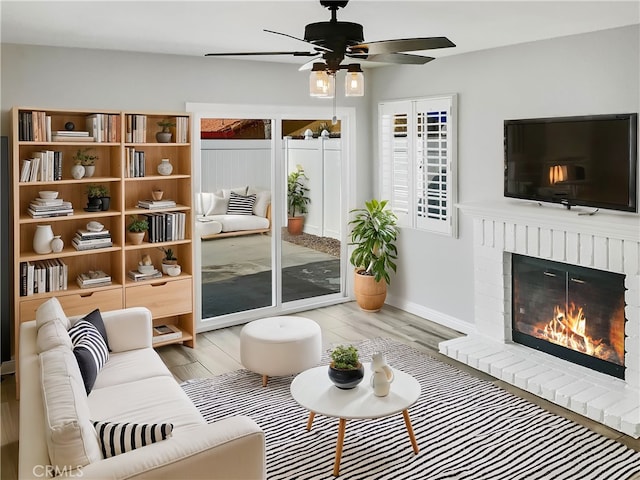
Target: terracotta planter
x=135, y=238
x=295, y=225
x=370, y=295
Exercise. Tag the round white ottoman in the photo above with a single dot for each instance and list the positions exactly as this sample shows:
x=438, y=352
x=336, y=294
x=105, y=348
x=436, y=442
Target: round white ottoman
x=278, y=346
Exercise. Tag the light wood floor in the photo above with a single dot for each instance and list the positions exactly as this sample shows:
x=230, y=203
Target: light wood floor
x=218, y=352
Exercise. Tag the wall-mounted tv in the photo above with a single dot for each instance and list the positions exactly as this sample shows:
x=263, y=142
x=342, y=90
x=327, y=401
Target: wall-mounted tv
x=586, y=160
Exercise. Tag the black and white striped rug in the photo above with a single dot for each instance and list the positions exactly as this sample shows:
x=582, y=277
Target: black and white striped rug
x=467, y=429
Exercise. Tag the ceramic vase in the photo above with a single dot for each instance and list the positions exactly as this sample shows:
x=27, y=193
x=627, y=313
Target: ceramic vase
x=77, y=172
x=382, y=375
x=89, y=170
x=42, y=239
x=165, y=167
x=57, y=244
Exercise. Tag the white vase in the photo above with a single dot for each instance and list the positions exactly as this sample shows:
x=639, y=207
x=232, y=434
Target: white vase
x=382, y=375
x=77, y=172
x=165, y=167
x=42, y=239
x=89, y=170
x=57, y=244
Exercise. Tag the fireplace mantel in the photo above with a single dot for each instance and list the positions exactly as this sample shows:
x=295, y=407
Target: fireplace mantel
x=608, y=241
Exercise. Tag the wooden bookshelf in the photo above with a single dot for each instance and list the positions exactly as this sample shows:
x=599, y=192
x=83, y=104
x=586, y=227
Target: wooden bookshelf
x=170, y=299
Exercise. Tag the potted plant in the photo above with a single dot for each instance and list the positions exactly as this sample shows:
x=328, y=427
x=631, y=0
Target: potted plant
x=297, y=200
x=164, y=136
x=136, y=229
x=94, y=196
x=169, y=259
x=374, y=233
x=87, y=160
x=346, y=370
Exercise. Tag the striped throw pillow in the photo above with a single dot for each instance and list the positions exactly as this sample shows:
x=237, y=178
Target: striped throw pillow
x=241, y=204
x=90, y=351
x=117, y=438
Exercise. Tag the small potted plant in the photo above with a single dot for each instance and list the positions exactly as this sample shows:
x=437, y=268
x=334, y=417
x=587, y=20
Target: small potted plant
x=136, y=230
x=86, y=160
x=346, y=370
x=297, y=200
x=164, y=136
x=98, y=198
x=374, y=233
x=169, y=260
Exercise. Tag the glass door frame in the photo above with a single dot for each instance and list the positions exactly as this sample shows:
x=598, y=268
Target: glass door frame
x=277, y=114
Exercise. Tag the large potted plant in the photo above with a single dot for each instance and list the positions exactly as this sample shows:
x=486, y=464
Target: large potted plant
x=297, y=200
x=345, y=370
x=374, y=233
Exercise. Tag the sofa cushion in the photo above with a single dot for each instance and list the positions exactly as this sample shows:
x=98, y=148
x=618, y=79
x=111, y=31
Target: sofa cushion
x=226, y=192
x=130, y=366
x=235, y=223
x=50, y=310
x=241, y=204
x=71, y=438
x=95, y=319
x=117, y=438
x=90, y=351
x=208, y=226
x=51, y=335
x=263, y=199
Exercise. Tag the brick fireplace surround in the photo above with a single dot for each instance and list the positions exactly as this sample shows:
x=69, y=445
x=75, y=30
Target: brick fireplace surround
x=607, y=241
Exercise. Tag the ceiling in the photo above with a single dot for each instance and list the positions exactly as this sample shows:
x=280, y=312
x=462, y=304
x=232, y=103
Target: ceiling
x=198, y=27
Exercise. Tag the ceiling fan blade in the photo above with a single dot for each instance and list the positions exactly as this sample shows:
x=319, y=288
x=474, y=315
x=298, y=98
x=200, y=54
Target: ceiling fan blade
x=397, y=58
x=402, y=45
x=243, y=54
x=309, y=65
x=317, y=47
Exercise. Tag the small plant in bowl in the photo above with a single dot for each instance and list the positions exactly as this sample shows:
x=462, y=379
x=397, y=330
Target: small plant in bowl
x=169, y=259
x=136, y=230
x=164, y=136
x=346, y=370
x=86, y=160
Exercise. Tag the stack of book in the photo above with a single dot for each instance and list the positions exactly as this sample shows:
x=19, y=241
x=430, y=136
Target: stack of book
x=136, y=276
x=164, y=333
x=44, y=166
x=153, y=204
x=93, y=279
x=88, y=240
x=71, y=136
x=55, y=207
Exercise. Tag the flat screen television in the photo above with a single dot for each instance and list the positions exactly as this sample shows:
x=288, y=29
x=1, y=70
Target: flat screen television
x=587, y=160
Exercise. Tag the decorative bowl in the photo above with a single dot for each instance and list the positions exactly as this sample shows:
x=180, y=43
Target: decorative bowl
x=346, y=379
x=146, y=269
x=94, y=226
x=174, y=270
x=48, y=194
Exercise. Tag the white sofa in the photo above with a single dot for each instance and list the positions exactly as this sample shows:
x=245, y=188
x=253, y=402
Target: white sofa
x=214, y=219
x=57, y=435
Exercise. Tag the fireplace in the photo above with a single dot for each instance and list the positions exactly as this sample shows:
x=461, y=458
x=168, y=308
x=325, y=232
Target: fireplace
x=603, y=249
x=571, y=312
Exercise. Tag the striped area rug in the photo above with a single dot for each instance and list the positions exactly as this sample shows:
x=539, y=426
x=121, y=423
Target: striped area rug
x=467, y=429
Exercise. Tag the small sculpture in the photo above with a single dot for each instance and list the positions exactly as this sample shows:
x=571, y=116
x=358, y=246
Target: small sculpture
x=382, y=375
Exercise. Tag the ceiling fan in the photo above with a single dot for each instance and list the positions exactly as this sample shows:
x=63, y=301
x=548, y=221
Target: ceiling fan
x=334, y=40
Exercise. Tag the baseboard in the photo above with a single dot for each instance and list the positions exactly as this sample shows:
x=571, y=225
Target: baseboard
x=8, y=367
x=432, y=315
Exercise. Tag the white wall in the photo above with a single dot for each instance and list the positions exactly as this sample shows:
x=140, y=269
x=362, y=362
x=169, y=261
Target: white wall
x=575, y=75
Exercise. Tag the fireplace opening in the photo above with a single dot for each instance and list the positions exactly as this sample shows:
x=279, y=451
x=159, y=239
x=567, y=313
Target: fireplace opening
x=571, y=312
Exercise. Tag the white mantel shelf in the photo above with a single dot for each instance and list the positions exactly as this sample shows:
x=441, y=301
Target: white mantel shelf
x=608, y=241
x=625, y=225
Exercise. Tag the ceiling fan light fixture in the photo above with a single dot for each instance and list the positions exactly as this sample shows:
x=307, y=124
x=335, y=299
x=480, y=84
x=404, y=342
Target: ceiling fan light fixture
x=321, y=83
x=354, y=81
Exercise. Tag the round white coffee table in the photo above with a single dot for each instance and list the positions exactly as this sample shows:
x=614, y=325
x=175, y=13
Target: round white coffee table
x=313, y=390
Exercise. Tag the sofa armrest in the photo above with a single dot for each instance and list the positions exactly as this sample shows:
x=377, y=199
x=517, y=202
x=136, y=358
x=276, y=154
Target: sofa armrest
x=128, y=329
x=233, y=448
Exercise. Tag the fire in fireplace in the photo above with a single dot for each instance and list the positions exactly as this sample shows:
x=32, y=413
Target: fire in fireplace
x=572, y=312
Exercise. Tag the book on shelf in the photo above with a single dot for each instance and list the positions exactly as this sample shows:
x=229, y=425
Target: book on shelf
x=54, y=213
x=45, y=202
x=83, y=245
x=50, y=207
x=165, y=333
x=43, y=276
x=71, y=133
x=136, y=276
x=150, y=204
x=91, y=241
x=64, y=138
x=89, y=235
x=93, y=278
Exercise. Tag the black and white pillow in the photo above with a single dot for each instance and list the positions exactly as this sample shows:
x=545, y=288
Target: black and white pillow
x=90, y=351
x=95, y=319
x=117, y=438
x=241, y=204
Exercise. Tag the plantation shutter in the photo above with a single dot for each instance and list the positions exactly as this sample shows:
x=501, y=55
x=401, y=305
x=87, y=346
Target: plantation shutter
x=396, y=159
x=418, y=156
